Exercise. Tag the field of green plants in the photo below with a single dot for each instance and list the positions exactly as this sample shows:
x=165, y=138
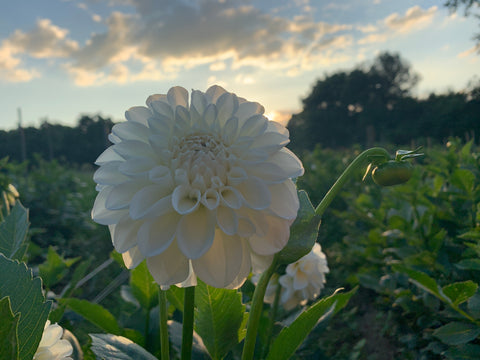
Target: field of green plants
x=412, y=250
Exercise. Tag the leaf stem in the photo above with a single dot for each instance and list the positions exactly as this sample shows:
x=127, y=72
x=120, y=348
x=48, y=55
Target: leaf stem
x=188, y=317
x=164, y=343
x=273, y=315
x=354, y=165
x=256, y=312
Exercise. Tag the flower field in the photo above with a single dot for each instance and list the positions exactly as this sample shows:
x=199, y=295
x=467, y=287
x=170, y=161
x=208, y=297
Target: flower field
x=406, y=256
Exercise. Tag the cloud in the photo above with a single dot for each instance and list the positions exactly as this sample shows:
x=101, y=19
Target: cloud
x=414, y=18
x=10, y=66
x=472, y=51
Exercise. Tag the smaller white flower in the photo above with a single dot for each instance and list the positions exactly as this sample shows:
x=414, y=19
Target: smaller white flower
x=304, y=279
x=52, y=346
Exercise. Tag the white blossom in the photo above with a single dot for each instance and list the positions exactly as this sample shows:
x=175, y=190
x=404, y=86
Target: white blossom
x=198, y=187
x=52, y=346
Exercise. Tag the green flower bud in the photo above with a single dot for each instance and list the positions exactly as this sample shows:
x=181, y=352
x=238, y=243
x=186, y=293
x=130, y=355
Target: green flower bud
x=392, y=172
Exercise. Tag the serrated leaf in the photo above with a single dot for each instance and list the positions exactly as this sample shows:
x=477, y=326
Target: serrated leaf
x=463, y=352
x=463, y=179
x=53, y=269
x=26, y=298
x=460, y=292
x=112, y=347
x=94, y=313
x=13, y=232
x=457, y=333
x=303, y=232
x=291, y=337
x=218, y=318
x=423, y=281
x=143, y=286
x=8, y=331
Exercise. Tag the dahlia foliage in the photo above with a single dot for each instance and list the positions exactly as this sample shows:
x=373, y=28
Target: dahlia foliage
x=52, y=346
x=198, y=186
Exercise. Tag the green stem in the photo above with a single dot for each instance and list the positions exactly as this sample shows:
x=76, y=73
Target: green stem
x=256, y=312
x=273, y=315
x=354, y=165
x=188, y=316
x=164, y=345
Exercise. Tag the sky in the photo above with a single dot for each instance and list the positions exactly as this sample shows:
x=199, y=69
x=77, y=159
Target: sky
x=60, y=59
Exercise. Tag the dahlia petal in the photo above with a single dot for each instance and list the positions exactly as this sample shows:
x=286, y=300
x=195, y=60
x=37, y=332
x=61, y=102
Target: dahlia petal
x=210, y=199
x=185, y=200
x=159, y=104
x=114, y=139
x=161, y=124
x=199, y=102
x=260, y=263
x=151, y=201
x=102, y=215
x=156, y=235
x=274, y=240
x=51, y=335
x=170, y=267
x=244, y=268
x=210, y=116
x=247, y=109
x=236, y=175
x=227, y=105
x=182, y=118
x=285, y=203
x=195, y=233
x=255, y=193
x=245, y=227
x=300, y=280
x=254, y=126
x=130, y=130
x=230, y=197
x=274, y=126
x=124, y=234
x=138, y=114
x=61, y=349
x=288, y=161
x=132, y=258
x=268, y=172
x=227, y=220
x=133, y=149
x=176, y=96
x=213, y=93
x=108, y=155
x=161, y=175
x=229, y=131
x=109, y=174
x=270, y=142
x=122, y=194
x=136, y=166
x=220, y=265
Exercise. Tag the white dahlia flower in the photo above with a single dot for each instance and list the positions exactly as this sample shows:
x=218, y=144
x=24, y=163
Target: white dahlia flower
x=52, y=346
x=304, y=279
x=199, y=187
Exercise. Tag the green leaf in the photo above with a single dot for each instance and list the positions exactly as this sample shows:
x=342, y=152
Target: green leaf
x=461, y=291
x=8, y=331
x=303, y=232
x=219, y=318
x=54, y=268
x=463, y=352
x=175, y=297
x=468, y=264
x=143, y=286
x=423, y=281
x=94, y=313
x=26, y=298
x=291, y=337
x=457, y=333
x=13, y=232
x=463, y=179
x=111, y=347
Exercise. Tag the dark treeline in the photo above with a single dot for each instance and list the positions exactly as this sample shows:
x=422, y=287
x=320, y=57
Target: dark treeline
x=76, y=145
x=371, y=104
x=374, y=104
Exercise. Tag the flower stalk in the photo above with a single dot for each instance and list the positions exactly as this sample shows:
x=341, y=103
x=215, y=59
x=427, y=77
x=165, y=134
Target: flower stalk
x=188, y=317
x=164, y=342
x=256, y=311
x=375, y=152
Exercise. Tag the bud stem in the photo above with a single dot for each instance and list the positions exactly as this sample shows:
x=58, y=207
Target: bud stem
x=354, y=165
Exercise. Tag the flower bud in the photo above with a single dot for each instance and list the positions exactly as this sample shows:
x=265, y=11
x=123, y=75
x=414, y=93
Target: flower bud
x=392, y=172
